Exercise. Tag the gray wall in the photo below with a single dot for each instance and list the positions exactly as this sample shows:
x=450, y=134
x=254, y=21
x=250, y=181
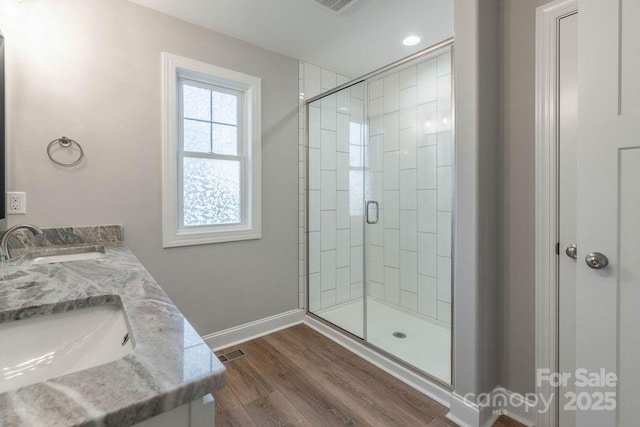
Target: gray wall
x=90, y=70
x=517, y=180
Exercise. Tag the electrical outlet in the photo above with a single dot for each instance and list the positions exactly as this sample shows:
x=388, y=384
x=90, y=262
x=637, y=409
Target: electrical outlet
x=16, y=203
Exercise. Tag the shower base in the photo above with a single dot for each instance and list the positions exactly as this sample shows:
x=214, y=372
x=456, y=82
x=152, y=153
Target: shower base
x=427, y=345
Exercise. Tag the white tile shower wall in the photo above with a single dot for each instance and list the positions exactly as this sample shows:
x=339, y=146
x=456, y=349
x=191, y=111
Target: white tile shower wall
x=411, y=159
x=333, y=245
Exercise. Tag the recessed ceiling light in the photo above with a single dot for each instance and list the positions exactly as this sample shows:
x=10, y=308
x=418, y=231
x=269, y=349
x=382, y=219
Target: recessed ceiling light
x=411, y=41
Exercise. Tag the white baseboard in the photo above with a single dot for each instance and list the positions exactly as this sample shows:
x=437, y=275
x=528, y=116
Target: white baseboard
x=431, y=389
x=248, y=331
x=515, y=406
x=502, y=402
x=463, y=412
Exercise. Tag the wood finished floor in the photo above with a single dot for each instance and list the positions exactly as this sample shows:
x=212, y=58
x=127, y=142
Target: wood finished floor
x=298, y=377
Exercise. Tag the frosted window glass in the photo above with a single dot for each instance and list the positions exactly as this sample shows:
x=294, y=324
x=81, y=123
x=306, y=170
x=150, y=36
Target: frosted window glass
x=197, y=136
x=211, y=193
x=225, y=140
x=225, y=108
x=197, y=102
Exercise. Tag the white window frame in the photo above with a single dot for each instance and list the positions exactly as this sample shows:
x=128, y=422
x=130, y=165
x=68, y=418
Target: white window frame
x=174, y=69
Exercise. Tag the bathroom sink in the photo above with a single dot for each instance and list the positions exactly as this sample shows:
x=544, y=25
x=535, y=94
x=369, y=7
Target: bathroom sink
x=68, y=254
x=50, y=259
x=40, y=348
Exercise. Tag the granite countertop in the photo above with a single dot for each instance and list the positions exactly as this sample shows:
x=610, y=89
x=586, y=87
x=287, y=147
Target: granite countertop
x=169, y=366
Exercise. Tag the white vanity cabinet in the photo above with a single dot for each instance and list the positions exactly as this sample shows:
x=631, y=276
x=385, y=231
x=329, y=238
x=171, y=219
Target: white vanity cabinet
x=199, y=413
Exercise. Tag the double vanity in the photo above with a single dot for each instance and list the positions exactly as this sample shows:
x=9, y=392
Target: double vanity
x=87, y=337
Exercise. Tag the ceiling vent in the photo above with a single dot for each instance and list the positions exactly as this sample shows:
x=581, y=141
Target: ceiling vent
x=336, y=6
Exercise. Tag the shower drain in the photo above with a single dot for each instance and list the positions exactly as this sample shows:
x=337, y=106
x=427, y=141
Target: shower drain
x=399, y=335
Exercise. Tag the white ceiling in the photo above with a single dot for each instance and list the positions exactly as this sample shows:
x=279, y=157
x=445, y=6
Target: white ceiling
x=362, y=38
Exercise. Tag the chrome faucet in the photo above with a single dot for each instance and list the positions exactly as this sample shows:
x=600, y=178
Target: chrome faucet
x=5, y=256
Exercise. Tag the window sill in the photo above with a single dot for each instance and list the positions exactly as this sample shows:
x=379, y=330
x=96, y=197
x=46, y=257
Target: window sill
x=194, y=238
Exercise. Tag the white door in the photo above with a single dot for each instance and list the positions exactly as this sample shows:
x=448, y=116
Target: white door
x=608, y=210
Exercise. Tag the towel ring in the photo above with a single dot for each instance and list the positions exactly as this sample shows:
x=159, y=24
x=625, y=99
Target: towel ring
x=65, y=142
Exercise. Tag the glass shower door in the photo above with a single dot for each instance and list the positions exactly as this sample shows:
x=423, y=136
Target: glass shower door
x=409, y=174
x=335, y=209
x=381, y=161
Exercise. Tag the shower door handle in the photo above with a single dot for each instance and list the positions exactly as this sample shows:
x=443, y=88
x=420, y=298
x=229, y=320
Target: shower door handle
x=369, y=204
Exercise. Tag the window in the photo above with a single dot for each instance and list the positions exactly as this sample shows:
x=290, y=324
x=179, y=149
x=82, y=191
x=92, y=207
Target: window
x=211, y=154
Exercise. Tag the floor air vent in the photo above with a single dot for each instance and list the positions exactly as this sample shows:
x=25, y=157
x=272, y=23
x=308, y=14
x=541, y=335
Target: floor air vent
x=335, y=6
x=232, y=355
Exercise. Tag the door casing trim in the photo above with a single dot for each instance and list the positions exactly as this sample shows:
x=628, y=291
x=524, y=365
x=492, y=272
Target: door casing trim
x=547, y=168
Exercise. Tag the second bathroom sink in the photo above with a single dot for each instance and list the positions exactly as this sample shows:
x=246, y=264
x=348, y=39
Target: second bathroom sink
x=66, y=254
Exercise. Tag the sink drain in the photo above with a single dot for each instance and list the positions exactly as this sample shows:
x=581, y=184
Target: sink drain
x=399, y=335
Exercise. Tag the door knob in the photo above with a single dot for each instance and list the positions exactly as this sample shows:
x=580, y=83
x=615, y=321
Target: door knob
x=572, y=251
x=596, y=260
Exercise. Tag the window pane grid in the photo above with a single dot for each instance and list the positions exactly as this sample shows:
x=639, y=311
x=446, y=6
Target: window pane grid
x=210, y=157
x=216, y=107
